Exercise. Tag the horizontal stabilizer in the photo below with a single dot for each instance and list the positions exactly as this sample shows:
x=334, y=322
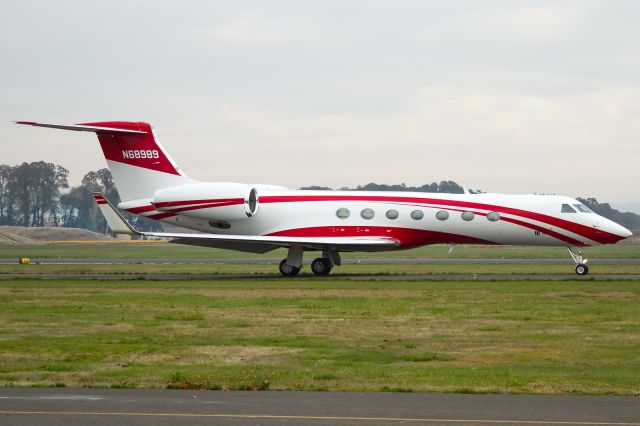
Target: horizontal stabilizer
x=80, y=127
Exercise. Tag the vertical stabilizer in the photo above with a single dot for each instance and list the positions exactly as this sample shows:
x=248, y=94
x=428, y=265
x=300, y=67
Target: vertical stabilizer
x=138, y=163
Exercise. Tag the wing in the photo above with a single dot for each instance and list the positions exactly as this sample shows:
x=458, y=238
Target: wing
x=247, y=243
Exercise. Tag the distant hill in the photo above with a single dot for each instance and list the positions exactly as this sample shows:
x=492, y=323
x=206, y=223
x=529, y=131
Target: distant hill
x=27, y=234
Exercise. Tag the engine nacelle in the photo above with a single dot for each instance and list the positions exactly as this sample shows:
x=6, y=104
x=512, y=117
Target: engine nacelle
x=215, y=201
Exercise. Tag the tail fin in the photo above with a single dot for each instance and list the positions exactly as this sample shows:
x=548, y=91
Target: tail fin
x=138, y=163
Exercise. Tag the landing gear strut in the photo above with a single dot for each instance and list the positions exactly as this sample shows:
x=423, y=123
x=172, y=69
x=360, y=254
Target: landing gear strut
x=581, y=262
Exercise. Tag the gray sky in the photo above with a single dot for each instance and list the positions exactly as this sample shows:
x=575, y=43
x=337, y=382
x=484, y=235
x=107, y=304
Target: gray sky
x=505, y=96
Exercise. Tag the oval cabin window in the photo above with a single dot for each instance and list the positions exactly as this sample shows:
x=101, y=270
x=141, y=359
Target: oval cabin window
x=468, y=216
x=367, y=214
x=442, y=215
x=342, y=213
x=493, y=216
x=417, y=214
x=392, y=214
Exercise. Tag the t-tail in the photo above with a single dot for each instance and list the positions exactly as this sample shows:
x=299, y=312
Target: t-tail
x=138, y=163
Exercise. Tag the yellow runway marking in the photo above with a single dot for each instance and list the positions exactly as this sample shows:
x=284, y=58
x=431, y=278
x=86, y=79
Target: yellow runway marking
x=341, y=418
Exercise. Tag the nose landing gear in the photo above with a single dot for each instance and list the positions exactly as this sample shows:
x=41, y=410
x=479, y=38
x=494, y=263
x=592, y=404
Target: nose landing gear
x=581, y=262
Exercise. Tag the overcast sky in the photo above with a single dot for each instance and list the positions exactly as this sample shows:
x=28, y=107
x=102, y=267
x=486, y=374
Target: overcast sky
x=504, y=96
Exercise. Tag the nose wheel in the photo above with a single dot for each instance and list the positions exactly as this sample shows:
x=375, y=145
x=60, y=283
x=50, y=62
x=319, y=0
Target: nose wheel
x=581, y=262
x=582, y=269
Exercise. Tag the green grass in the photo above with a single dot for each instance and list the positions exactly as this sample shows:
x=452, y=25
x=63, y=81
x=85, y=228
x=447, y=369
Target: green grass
x=175, y=251
x=323, y=334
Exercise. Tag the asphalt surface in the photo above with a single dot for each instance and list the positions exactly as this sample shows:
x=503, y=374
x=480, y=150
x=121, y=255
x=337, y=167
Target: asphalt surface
x=271, y=261
x=569, y=276
x=71, y=407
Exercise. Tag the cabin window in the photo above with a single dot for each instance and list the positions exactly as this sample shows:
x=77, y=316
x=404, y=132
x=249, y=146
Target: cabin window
x=442, y=215
x=367, y=214
x=582, y=208
x=493, y=216
x=342, y=213
x=566, y=208
x=392, y=214
x=417, y=214
x=467, y=216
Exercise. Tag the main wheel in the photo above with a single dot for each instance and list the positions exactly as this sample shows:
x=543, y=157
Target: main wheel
x=582, y=269
x=321, y=266
x=288, y=270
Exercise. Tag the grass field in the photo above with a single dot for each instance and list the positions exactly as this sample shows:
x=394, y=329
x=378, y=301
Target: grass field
x=323, y=334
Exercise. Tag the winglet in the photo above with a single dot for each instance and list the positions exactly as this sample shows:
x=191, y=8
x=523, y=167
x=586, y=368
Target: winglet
x=115, y=220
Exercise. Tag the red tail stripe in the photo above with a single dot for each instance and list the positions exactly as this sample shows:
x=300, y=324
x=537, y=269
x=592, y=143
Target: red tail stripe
x=140, y=150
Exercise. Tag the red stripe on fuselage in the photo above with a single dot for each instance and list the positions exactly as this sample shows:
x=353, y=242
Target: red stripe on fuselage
x=205, y=206
x=576, y=228
x=168, y=204
x=407, y=237
x=546, y=231
x=142, y=209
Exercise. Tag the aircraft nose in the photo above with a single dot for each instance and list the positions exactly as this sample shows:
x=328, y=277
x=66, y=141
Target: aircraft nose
x=613, y=228
x=620, y=230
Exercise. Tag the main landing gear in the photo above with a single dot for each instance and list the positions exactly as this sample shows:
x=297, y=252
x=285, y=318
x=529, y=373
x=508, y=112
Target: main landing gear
x=288, y=270
x=290, y=267
x=321, y=266
x=581, y=262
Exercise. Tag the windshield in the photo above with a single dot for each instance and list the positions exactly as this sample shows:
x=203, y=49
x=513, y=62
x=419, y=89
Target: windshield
x=582, y=208
x=566, y=208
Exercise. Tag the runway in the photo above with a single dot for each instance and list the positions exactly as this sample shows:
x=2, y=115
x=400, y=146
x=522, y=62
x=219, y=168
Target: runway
x=308, y=275
x=70, y=407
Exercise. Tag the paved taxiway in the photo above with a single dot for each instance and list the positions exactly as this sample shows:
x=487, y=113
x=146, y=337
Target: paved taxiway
x=70, y=407
x=307, y=274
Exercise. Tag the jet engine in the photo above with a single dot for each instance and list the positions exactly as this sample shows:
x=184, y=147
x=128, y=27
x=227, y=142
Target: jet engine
x=216, y=201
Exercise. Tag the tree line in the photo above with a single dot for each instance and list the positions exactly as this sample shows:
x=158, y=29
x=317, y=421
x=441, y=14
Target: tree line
x=38, y=194
x=445, y=187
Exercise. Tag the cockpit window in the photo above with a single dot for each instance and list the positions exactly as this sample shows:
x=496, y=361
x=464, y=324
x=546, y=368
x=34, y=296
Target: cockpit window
x=566, y=208
x=582, y=208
